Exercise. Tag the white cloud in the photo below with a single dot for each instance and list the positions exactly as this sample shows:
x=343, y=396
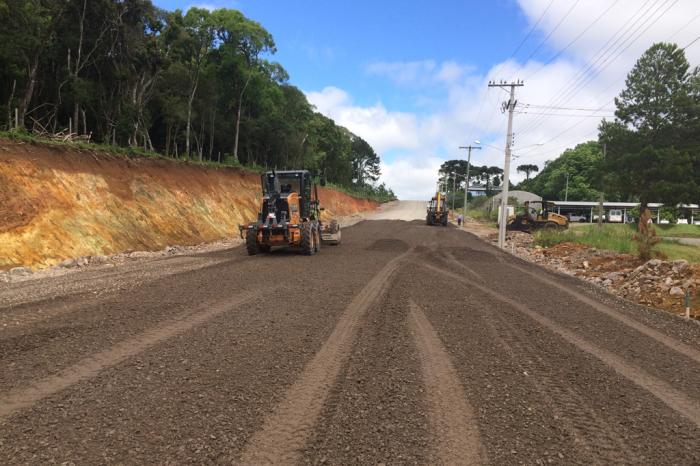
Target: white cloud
x=383, y=129
x=463, y=108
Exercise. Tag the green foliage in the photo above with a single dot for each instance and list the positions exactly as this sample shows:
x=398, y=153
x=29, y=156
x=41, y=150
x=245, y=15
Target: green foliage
x=191, y=85
x=654, y=143
x=527, y=169
x=483, y=176
x=608, y=238
x=582, y=163
x=379, y=193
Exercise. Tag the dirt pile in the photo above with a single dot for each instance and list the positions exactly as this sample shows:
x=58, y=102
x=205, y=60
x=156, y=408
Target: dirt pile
x=58, y=203
x=655, y=283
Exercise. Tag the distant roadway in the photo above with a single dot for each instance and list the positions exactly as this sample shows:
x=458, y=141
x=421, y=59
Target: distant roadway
x=405, y=344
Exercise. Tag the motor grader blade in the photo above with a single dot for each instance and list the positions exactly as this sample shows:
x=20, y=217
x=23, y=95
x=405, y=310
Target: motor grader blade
x=330, y=233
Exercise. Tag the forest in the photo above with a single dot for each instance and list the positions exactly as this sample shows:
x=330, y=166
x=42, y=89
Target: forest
x=197, y=85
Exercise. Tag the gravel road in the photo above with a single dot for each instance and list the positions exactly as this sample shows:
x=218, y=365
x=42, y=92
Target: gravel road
x=406, y=344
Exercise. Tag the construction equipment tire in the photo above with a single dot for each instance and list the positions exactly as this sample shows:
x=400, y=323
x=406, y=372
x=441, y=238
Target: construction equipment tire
x=251, y=243
x=307, y=239
x=317, y=239
x=551, y=226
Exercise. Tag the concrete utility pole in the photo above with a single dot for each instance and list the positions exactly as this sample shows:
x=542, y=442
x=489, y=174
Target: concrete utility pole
x=510, y=106
x=566, y=192
x=469, y=166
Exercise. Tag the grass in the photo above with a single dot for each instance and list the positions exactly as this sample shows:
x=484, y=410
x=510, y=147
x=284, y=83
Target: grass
x=674, y=250
x=678, y=231
x=617, y=238
x=669, y=231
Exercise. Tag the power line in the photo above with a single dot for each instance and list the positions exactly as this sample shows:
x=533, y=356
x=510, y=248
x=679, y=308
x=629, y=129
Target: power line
x=629, y=41
x=527, y=36
x=565, y=115
x=678, y=31
x=566, y=15
x=599, y=55
x=551, y=107
x=694, y=41
x=612, y=100
x=573, y=41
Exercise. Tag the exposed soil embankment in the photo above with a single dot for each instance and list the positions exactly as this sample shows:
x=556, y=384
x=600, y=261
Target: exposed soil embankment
x=58, y=203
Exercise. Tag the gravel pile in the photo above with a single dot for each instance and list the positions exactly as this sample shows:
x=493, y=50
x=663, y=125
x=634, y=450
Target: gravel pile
x=656, y=283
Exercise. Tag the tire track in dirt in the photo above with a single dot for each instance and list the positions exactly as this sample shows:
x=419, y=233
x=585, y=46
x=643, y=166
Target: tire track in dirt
x=74, y=283
x=587, y=427
x=673, y=398
x=665, y=340
x=23, y=398
x=286, y=430
x=452, y=418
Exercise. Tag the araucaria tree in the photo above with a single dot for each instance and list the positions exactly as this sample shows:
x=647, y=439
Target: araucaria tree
x=653, y=146
x=527, y=169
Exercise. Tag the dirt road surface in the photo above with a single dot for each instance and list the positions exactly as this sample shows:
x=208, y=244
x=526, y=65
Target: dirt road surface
x=407, y=344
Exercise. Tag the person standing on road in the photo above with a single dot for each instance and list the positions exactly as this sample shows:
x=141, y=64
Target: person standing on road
x=459, y=220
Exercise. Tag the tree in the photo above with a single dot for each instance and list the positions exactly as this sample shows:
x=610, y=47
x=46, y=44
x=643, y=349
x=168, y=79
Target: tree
x=365, y=162
x=582, y=163
x=653, y=144
x=245, y=41
x=527, y=169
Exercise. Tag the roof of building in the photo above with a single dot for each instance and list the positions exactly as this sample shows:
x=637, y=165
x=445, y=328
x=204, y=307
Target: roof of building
x=521, y=196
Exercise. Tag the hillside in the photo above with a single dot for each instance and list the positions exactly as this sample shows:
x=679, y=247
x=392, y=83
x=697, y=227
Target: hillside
x=57, y=203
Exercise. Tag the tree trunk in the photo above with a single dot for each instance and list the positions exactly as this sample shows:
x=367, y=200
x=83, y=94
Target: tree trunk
x=29, y=91
x=238, y=119
x=211, y=135
x=85, y=130
x=189, y=119
x=168, y=132
x=9, y=105
x=76, y=117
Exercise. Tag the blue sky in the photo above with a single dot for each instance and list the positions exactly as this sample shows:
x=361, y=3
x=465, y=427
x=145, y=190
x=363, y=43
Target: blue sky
x=410, y=76
x=323, y=43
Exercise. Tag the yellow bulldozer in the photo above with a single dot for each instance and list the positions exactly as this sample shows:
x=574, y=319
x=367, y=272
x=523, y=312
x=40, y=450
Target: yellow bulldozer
x=290, y=215
x=536, y=215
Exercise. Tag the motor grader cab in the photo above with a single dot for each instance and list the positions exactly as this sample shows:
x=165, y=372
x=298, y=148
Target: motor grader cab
x=290, y=215
x=535, y=215
x=437, y=210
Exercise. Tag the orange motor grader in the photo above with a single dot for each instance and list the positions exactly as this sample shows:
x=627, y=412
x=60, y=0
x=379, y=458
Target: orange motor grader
x=290, y=215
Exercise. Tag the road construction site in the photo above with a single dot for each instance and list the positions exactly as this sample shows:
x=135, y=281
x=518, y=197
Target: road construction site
x=405, y=344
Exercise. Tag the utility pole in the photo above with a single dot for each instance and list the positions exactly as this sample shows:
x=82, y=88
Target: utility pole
x=566, y=192
x=466, y=182
x=600, y=199
x=510, y=106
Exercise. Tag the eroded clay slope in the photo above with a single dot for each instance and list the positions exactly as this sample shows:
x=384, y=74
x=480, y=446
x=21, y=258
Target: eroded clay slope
x=57, y=203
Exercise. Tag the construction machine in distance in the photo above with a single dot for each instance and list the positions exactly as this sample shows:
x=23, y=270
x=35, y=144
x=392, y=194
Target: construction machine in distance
x=290, y=215
x=437, y=210
x=536, y=215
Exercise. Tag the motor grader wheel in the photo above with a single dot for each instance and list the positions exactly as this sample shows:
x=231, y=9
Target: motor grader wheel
x=317, y=239
x=551, y=226
x=308, y=237
x=251, y=243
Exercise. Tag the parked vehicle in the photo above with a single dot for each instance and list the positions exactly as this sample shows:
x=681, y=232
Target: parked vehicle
x=577, y=218
x=615, y=216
